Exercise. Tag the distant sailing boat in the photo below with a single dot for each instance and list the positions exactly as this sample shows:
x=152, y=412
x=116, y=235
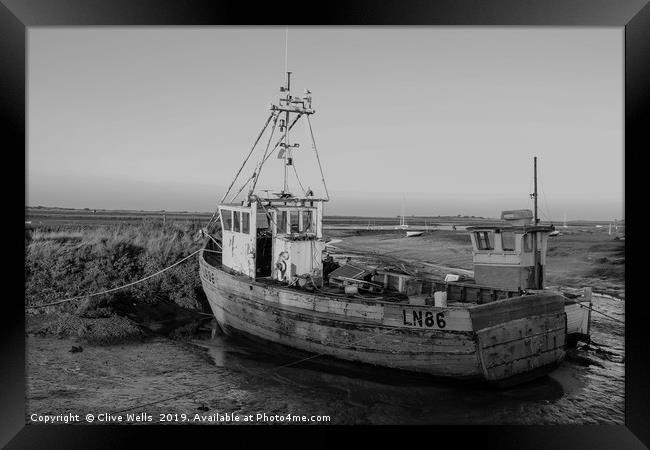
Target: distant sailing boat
x=402, y=220
x=403, y=225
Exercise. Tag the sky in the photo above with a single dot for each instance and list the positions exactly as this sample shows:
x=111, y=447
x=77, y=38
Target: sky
x=438, y=120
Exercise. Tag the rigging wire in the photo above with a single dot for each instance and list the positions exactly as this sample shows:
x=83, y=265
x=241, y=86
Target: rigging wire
x=248, y=180
x=259, y=171
x=311, y=132
x=243, y=164
x=254, y=175
x=293, y=163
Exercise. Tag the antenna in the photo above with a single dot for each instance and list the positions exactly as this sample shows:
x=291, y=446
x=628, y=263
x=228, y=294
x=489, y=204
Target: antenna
x=286, y=50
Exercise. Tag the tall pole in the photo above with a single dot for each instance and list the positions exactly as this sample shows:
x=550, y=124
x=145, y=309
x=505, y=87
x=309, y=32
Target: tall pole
x=536, y=259
x=286, y=136
x=535, y=193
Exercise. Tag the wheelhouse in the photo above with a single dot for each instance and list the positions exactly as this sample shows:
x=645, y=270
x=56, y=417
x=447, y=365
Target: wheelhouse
x=276, y=238
x=510, y=256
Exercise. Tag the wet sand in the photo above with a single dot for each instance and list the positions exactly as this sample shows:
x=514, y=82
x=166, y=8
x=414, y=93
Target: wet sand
x=231, y=376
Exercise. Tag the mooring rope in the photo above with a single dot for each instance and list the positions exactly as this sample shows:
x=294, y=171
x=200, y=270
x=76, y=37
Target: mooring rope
x=599, y=312
x=124, y=286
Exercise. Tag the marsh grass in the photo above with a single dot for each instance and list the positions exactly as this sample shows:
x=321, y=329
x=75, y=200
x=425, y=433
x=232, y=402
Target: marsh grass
x=63, y=262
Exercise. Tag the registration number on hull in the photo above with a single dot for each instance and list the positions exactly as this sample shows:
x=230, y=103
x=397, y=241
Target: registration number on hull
x=423, y=319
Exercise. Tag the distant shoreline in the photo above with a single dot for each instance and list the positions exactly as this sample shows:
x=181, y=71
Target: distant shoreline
x=32, y=211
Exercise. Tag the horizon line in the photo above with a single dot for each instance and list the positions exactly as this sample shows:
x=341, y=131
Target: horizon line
x=459, y=216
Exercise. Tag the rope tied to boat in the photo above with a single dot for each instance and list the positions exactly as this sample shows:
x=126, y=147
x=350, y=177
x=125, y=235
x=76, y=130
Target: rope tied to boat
x=597, y=311
x=133, y=283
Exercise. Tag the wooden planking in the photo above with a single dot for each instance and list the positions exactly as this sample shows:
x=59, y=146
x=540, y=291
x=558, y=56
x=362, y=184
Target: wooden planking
x=468, y=292
x=521, y=345
x=502, y=276
x=577, y=318
x=521, y=366
x=401, y=337
x=455, y=319
x=528, y=347
x=520, y=328
x=490, y=314
x=360, y=330
x=356, y=345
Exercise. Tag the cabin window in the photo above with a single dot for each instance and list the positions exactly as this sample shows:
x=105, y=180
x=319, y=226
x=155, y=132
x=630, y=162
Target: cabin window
x=236, y=222
x=484, y=240
x=227, y=219
x=245, y=222
x=528, y=242
x=262, y=220
x=508, y=240
x=307, y=225
x=295, y=225
x=282, y=222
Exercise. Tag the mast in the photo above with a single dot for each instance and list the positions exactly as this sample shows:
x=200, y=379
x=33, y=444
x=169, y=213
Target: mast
x=536, y=255
x=286, y=136
x=535, y=192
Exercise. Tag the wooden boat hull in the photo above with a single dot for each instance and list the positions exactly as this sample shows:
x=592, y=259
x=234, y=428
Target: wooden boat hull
x=499, y=342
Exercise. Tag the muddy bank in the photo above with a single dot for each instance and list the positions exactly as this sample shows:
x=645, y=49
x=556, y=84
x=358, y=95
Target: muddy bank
x=218, y=376
x=128, y=378
x=110, y=321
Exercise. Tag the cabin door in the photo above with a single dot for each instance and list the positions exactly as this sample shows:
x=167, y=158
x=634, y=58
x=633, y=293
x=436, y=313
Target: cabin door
x=264, y=255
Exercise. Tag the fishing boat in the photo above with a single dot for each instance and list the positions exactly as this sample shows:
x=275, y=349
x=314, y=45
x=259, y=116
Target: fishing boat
x=267, y=276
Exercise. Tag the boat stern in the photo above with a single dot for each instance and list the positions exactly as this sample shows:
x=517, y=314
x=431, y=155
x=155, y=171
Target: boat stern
x=521, y=337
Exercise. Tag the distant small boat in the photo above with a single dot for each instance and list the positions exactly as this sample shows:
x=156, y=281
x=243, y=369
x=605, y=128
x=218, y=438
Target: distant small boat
x=402, y=220
x=554, y=233
x=414, y=233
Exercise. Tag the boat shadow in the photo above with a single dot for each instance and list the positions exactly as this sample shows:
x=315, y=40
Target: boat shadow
x=366, y=384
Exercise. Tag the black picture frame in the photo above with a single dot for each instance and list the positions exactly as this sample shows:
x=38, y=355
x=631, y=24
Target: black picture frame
x=634, y=15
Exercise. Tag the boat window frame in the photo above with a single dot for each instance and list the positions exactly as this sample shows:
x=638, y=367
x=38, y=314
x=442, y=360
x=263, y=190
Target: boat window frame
x=514, y=241
x=297, y=213
x=307, y=214
x=294, y=228
x=226, y=220
x=236, y=224
x=282, y=221
x=245, y=224
x=489, y=240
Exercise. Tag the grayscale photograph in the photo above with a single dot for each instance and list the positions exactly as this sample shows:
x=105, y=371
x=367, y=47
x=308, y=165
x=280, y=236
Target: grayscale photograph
x=349, y=225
